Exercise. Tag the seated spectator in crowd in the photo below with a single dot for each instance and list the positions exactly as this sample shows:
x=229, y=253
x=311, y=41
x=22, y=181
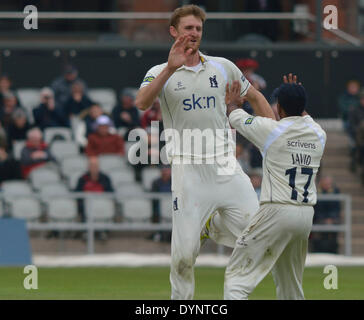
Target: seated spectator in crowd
x=161, y=184
x=9, y=106
x=126, y=114
x=326, y=212
x=18, y=128
x=356, y=123
x=349, y=100
x=3, y=138
x=248, y=67
x=9, y=167
x=93, y=181
x=88, y=125
x=78, y=103
x=154, y=113
x=103, y=141
x=62, y=85
x=35, y=152
x=48, y=114
x=242, y=155
x=5, y=88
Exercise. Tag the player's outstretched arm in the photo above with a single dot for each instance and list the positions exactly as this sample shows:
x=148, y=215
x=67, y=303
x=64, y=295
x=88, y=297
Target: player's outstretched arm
x=259, y=103
x=177, y=57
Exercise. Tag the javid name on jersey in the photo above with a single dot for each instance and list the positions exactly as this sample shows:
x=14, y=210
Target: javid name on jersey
x=301, y=159
x=163, y=311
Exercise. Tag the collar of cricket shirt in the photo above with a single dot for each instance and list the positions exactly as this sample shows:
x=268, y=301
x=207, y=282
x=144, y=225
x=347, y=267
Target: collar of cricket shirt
x=203, y=60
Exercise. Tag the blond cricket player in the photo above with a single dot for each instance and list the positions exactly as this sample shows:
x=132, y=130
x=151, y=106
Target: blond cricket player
x=191, y=89
x=277, y=236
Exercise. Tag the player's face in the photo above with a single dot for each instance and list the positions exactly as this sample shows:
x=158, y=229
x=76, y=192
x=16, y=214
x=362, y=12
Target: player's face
x=190, y=26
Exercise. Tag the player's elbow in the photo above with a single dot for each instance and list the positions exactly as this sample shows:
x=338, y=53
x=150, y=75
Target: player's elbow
x=141, y=104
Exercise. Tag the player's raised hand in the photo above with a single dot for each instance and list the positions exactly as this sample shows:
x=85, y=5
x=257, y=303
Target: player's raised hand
x=179, y=53
x=290, y=79
x=232, y=93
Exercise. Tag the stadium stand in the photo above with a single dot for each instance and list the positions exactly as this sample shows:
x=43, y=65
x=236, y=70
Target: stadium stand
x=62, y=210
x=27, y=208
x=105, y=96
x=59, y=133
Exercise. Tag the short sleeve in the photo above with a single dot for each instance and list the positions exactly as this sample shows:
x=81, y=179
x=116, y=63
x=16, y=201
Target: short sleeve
x=255, y=129
x=236, y=74
x=151, y=75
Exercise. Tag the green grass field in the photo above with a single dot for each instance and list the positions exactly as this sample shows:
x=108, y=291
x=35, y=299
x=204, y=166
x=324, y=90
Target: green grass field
x=149, y=283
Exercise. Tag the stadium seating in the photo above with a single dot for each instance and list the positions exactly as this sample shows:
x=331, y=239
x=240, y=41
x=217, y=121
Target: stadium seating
x=27, y=208
x=29, y=99
x=109, y=162
x=64, y=149
x=53, y=190
x=52, y=132
x=18, y=146
x=129, y=189
x=62, y=209
x=100, y=209
x=16, y=188
x=106, y=97
x=119, y=177
x=73, y=178
x=43, y=176
x=73, y=164
x=137, y=210
x=149, y=174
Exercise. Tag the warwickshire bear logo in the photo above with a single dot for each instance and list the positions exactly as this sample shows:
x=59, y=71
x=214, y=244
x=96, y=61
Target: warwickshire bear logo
x=213, y=82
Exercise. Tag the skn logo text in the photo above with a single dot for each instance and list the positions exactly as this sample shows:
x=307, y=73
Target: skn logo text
x=197, y=103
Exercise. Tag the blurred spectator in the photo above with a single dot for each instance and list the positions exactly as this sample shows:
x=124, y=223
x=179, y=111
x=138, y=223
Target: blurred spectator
x=5, y=88
x=248, y=67
x=10, y=105
x=78, y=103
x=9, y=168
x=88, y=124
x=161, y=184
x=62, y=85
x=48, y=114
x=356, y=125
x=3, y=138
x=268, y=28
x=326, y=212
x=35, y=152
x=103, y=141
x=349, y=100
x=242, y=156
x=256, y=179
x=255, y=156
x=125, y=114
x=18, y=128
x=154, y=113
x=93, y=181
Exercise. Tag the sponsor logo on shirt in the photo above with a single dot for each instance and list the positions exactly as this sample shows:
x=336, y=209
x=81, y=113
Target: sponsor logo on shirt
x=213, y=82
x=148, y=79
x=249, y=120
x=199, y=103
x=180, y=86
x=243, y=78
x=301, y=144
x=175, y=204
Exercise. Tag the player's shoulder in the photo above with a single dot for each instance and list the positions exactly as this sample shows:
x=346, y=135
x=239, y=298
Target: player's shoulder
x=157, y=68
x=220, y=60
x=314, y=123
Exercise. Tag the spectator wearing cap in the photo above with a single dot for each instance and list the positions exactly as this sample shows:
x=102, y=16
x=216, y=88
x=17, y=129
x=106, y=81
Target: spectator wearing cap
x=248, y=68
x=48, y=114
x=35, y=152
x=103, y=141
x=125, y=114
x=78, y=103
x=10, y=105
x=18, y=127
x=62, y=85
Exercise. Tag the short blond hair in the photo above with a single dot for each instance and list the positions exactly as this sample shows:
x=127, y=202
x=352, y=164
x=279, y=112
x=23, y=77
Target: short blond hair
x=187, y=10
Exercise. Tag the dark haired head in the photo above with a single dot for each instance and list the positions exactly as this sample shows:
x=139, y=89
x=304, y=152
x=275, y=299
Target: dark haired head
x=292, y=99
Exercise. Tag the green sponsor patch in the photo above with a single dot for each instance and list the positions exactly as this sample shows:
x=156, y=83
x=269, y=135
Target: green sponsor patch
x=148, y=79
x=249, y=120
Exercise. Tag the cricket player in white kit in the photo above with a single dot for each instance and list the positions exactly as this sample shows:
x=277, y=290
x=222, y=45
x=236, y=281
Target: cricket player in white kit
x=191, y=88
x=277, y=236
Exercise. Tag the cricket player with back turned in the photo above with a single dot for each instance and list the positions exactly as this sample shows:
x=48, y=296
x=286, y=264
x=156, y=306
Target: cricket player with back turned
x=191, y=88
x=277, y=236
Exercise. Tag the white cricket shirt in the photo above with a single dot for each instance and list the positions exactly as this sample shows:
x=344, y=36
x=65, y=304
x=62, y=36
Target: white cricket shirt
x=195, y=99
x=291, y=148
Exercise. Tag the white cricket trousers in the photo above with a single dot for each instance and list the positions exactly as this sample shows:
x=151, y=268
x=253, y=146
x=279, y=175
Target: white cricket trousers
x=197, y=192
x=275, y=240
